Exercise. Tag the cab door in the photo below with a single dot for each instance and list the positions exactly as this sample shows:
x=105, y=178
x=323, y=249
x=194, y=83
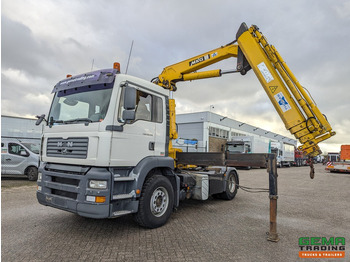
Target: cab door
x=138, y=138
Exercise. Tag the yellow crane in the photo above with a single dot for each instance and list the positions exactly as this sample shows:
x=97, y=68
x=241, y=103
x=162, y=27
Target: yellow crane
x=294, y=105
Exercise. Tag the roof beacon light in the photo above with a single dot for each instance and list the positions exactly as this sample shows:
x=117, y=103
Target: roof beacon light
x=116, y=65
x=68, y=76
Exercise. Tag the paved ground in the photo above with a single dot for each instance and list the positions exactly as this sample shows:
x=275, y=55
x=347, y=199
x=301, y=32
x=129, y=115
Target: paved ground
x=212, y=230
x=9, y=181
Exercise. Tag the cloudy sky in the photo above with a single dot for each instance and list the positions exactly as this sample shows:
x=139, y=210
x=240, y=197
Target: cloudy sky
x=44, y=40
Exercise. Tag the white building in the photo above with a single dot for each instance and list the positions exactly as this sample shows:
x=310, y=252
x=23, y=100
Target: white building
x=20, y=128
x=212, y=131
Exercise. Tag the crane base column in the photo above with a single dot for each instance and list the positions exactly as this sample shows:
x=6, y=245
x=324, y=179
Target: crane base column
x=272, y=170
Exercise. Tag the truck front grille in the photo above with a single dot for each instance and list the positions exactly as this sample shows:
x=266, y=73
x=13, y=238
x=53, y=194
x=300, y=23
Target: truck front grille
x=63, y=193
x=66, y=181
x=72, y=147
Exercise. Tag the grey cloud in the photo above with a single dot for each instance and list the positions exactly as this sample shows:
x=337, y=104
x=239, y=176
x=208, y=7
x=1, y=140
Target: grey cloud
x=20, y=49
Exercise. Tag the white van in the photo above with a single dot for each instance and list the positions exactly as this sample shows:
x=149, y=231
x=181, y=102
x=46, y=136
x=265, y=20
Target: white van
x=19, y=158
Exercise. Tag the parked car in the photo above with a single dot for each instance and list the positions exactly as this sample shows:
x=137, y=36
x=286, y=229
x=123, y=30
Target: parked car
x=19, y=158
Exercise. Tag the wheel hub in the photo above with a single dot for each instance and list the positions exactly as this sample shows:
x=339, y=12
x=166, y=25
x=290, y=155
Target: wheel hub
x=159, y=201
x=232, y=184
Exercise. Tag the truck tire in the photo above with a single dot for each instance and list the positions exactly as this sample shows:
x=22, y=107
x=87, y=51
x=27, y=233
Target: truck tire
x=156, y=202
x=32, y=173
x=231, y=187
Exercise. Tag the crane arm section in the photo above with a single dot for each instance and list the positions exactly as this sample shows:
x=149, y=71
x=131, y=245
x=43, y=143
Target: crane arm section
x=292, y=102
x=296, y=108
x=187, y=69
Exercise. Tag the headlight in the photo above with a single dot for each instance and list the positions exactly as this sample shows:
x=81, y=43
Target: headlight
x=40, y=176
x=98, y=184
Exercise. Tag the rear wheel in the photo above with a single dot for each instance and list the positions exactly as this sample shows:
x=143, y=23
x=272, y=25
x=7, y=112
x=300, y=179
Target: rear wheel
x=231, y=187
x=156, y=202
x=32, y=173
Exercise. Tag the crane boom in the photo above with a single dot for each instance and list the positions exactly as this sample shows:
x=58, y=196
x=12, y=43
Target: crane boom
x=292, y=102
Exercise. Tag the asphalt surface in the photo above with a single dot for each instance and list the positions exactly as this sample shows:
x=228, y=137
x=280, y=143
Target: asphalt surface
x=9, y=181
x=213, y=230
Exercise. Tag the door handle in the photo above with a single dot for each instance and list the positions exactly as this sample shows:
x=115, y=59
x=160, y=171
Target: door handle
x=151, y=146
x=8, y=159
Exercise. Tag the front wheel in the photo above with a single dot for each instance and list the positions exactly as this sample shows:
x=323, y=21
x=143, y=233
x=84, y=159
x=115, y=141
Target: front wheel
x=156, y=202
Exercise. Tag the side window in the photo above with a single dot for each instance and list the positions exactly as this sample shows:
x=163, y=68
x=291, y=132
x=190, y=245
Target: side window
x=143, y=106
x=148, y=107
x=158, y=109
x=16, y=149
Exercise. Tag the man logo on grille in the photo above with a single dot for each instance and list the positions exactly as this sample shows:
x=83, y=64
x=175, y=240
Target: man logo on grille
x=64, y=146
x=68, y=144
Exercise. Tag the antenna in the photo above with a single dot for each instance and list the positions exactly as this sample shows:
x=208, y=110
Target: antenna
x=127, y=65
x=92, y=65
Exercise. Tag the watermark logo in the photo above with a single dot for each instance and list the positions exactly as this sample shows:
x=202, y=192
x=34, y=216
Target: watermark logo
x=322, y=247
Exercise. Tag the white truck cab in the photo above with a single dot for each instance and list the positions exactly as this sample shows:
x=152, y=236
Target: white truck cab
x=93, y=115
x=284, y=153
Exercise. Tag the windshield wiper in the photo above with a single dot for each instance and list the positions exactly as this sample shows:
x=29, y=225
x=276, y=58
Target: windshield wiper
x=86, y=120
x=77, y=120
x=53, y=121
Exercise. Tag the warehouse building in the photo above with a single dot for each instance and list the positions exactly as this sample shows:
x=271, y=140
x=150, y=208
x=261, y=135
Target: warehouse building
x=209, y=132
x=20, y=128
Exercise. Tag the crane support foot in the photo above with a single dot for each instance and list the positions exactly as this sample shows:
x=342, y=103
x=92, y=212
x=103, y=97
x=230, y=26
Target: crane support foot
x=272, y=235
x=312, y=169
x=272, y=170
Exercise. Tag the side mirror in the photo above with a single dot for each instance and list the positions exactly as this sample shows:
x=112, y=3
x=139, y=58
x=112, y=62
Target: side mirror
x=128, y=115
x=40, y=119
x=129, y=98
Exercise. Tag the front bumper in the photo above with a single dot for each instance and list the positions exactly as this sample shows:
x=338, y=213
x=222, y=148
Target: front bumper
x=66, y=187
x=83, y=209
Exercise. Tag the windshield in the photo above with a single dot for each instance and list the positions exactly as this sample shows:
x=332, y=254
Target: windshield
x=82, y=104
x=32, y=147
x=235, y=148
